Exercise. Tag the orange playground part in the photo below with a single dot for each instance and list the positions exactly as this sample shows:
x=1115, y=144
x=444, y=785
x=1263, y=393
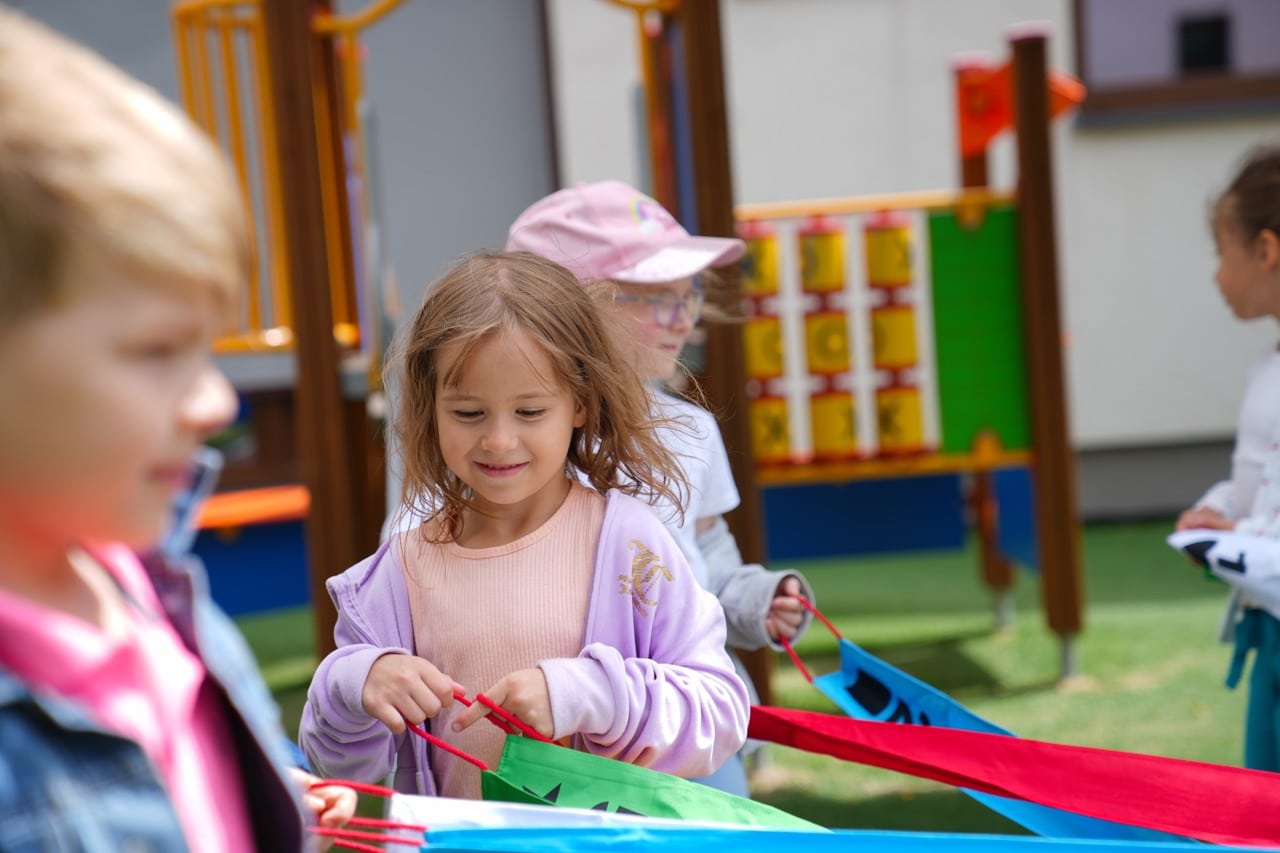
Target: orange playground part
x=255, y=506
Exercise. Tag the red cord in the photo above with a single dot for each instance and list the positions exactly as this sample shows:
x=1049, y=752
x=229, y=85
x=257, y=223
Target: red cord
x=501, y=724
x=795, y=658
x=447, y=747
x=382, y=823
x=362, y=787
x=808, y=605
x=347, y=838
x=511, y=719
x=356, y=835
x=356, y=845
x=790, y=650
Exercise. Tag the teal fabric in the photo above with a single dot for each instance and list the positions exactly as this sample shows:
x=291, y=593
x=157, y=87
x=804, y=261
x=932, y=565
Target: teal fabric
x=1258, y=631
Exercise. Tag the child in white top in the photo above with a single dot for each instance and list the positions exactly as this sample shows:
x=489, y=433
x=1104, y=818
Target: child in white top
x=1246, y=231
x=609, y=232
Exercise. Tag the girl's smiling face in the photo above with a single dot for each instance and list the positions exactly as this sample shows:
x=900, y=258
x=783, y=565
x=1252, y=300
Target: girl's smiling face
x=504, y=427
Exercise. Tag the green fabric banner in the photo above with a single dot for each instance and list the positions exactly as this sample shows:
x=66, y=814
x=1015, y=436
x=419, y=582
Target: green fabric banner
x=538, y=772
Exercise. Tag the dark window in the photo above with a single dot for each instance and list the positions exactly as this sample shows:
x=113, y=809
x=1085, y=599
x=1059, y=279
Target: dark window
x=1144, y=60
x=1204, y=44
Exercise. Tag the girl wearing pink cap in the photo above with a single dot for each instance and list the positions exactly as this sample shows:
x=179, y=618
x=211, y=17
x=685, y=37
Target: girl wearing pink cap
x=609, y=231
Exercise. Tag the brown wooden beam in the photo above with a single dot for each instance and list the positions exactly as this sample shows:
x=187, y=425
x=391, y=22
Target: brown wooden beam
x=299, y=69
x=1054, y=485
x=726, y=370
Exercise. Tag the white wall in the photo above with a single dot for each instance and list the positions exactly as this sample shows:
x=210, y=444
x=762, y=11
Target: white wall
x=834, y=97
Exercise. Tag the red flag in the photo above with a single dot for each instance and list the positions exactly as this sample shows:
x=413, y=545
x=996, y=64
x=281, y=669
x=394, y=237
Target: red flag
x=1211, y=802
x=1065, y=92
x=984, y=101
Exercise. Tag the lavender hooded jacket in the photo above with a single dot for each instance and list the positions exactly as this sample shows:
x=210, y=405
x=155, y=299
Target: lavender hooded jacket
x=652, y=685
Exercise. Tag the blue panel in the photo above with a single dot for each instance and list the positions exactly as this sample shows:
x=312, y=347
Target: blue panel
x=828, y=520
x=1017, y=534
x=258, y=567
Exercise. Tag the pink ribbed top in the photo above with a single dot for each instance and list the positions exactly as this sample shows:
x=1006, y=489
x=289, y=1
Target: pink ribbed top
x=481, y=613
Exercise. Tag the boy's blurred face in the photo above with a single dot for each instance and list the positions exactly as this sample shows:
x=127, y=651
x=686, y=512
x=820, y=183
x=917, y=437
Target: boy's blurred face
x=103, y=400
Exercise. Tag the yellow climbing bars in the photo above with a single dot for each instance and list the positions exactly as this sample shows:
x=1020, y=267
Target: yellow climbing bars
x=224, y=76
x=666, y=7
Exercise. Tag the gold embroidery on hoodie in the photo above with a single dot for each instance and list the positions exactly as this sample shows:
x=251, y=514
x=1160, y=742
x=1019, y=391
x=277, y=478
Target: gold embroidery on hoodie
x=646, y=570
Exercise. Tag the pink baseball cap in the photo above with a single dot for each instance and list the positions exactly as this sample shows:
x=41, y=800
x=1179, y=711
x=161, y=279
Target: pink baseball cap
x=608, y=230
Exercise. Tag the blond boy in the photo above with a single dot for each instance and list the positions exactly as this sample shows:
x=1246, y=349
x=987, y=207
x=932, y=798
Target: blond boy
x=131, y=714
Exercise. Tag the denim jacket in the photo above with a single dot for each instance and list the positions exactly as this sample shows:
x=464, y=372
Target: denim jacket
x=68, y=785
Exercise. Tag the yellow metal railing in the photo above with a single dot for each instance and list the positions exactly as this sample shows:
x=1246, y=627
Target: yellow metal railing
x=977, y=200
x=226, y=86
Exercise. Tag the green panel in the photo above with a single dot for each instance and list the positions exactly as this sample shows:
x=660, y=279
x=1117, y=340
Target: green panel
x=978, y=335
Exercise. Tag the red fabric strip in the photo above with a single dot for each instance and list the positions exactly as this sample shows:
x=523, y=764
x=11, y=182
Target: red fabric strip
x=1211, y=802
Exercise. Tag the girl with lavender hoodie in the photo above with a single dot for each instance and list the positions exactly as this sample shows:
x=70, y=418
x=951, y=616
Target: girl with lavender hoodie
x=569, y=605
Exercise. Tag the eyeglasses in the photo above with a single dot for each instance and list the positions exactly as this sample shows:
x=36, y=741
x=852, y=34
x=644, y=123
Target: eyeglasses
x=666, y=307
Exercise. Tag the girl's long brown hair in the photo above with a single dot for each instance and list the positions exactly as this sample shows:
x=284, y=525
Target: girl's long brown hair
x=490, y=292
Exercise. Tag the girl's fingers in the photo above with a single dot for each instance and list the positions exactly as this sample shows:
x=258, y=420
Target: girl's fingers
x=468, y=717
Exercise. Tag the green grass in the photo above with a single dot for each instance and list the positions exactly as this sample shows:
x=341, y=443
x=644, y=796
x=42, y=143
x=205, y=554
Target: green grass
x=1150, y=681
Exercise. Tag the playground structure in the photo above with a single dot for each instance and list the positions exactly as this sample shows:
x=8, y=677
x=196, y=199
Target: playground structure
x=827, y=416
x=278, y=85
x=282, y=81
x=883, y=340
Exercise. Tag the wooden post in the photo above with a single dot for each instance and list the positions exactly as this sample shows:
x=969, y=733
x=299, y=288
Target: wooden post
x=1057, y=522
x=655, y=60
x=726, y=372
x=326, y=448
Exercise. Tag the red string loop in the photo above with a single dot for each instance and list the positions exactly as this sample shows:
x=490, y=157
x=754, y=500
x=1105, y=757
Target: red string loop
x=354, y=835
x=447, y=747
x=511, y=719
x=790, y=650
x=352, y=839
x=808, y=605
x=501, y=724
x=382, y=823
x=795, y=659
x=361, y=787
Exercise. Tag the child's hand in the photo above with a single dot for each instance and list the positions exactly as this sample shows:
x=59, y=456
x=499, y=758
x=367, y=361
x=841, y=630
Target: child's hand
x=403, y=687
x=1203, y=517
x=333, y=805
x=523, y=694
x=786, y=613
